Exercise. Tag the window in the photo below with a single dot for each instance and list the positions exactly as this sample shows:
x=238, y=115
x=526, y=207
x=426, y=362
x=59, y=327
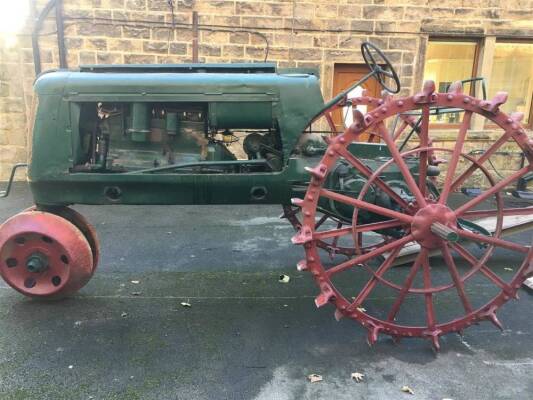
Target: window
x=447, y=62
x=512, y=72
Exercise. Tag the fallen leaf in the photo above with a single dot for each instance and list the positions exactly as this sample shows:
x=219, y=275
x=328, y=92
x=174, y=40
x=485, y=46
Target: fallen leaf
x=314, y=378
x=407, y=389
x=135, y=282
x=357, y=376
x=185, y=304
x=284, y=278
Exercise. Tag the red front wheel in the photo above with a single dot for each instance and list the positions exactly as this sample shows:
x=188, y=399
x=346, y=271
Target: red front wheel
x=43, y=255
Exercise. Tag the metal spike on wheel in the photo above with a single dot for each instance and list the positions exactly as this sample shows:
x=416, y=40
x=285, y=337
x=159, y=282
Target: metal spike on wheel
x=428, y=220
x=44, y=255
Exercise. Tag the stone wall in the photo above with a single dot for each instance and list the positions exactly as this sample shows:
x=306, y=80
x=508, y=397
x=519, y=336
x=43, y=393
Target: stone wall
x=311, y=33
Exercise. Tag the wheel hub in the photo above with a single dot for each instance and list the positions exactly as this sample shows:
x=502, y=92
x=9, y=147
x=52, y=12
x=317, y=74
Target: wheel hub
x=37, y=262
x=425, y=218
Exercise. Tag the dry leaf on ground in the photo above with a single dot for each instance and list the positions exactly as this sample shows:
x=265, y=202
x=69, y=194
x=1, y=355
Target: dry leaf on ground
x=407, y=389
x=314, y=378
x=357, y=376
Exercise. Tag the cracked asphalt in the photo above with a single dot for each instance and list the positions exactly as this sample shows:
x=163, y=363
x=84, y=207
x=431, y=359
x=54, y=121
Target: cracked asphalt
x=245, y=336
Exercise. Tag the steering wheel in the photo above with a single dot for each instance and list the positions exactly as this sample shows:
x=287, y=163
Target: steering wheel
x=380, y=65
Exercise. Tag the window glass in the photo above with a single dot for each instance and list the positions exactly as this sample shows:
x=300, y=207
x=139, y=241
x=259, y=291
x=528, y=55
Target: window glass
x=447, y=62
x=512, y=72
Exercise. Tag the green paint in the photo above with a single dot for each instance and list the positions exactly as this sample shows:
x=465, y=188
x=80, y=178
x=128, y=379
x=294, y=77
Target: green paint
x=241, y=96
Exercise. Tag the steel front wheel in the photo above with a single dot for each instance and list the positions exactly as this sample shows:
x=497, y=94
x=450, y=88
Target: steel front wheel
x=43, y=255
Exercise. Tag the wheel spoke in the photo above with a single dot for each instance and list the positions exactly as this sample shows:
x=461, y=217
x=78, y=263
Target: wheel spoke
x=484, y=157
x=452, y=165
x=369, y=286
x=483, y=268
x=430, y=312
x=371, y=254
x=423, y=156
x=400, y=130
x=367, y=206
x=407, y=285
x=367, y=172
x=494, y=189
x=492, y=240
x=404, y=169
x=336, y=238
x=459, y=285
x=362, y=228
x=332, y=233
x=387, y=73
x=506, y=212
x=321, y=221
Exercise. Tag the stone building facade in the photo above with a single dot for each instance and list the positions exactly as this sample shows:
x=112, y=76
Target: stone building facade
x=299, y=33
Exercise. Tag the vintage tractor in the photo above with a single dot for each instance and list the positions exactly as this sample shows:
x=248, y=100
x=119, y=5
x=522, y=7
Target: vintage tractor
x=255, y=134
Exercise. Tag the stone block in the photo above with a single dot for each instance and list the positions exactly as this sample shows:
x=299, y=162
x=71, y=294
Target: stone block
x=155, y=47
x=139, y=5
x=209, y=50
x=178, y=48
x=232, y=51
x=139, y=59
x=383, y=13
x=105, y=57
x=95, y=44
x=239, y=37
x=131, y=46
x=249, y=8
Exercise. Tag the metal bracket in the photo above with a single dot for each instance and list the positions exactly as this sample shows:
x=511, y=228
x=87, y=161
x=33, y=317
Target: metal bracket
x=5, y=193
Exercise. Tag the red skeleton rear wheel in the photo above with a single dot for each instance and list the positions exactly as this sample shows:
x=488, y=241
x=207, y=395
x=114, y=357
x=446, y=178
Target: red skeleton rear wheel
x=44, y=255
x=432, y=221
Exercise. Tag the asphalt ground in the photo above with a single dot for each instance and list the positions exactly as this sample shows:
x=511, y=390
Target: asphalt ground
x=245, y=336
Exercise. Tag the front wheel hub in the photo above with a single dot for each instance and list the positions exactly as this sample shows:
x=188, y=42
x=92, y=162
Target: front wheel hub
x=37, y=262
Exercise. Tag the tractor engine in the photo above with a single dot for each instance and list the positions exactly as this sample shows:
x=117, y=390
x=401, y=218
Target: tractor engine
x=122, y=137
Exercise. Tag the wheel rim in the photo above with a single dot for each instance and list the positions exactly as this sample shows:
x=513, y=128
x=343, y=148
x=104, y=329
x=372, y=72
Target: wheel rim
x=43, y=255
x=418, y=220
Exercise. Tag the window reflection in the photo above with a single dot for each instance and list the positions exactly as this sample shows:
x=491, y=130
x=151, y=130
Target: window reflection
x=447, y=62
x=512, y=72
